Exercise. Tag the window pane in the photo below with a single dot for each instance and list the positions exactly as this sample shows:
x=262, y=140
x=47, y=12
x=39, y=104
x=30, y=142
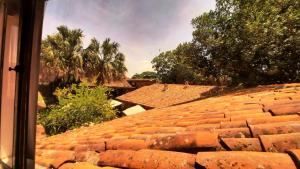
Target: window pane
x=9, y=86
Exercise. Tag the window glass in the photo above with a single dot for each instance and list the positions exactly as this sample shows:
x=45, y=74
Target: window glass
x=8, y=100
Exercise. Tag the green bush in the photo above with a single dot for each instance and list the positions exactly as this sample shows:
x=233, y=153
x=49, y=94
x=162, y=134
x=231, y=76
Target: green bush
x=78, y=106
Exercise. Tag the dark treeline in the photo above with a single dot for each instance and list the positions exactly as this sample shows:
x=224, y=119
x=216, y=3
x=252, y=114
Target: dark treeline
x=241, y=42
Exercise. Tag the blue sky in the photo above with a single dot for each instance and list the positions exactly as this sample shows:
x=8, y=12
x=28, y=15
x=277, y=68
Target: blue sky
x=144, y=28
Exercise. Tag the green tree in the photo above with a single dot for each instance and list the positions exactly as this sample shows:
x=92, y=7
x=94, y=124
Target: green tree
x=107, y=60
x=145, y=75
x=62, y=54
x=245, y=42
x=252, y=42
x=78, y=106
x=91, y=59
x=174, y=67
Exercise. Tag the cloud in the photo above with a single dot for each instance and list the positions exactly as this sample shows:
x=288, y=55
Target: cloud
x=142, y=27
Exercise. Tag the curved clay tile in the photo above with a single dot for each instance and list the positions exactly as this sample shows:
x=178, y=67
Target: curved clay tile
x=126, y=144
x=233, y=133
x=273, y=119
x=187, y=142
x=54, y=158
x=203, y=127
x=286, y=109
x=295, y=154
x=82, y=165
x=234, y=124
x=246, y=116
x=280, y=142
x=147, y=159
x=242, y=144
x=275, y=128
x=244, y=112
x=241, y=160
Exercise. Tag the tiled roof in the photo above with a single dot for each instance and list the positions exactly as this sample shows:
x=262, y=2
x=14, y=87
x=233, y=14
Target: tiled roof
x=118, y=84
x=163, y=95
x=254, y=129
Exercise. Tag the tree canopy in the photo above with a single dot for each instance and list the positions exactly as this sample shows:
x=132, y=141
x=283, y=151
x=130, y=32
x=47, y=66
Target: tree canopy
x=145, y=75
x=64, y=61
x=245, y=42
x=64, y=57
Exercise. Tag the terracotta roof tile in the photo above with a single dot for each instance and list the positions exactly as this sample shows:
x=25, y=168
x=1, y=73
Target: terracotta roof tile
x=295, y=154
x=128, y=144
x=161, y=95
x=246, y=116
x=233, y=124
x=203, y=127
x=242, y=144
x=230, y=123
x=273, y=119
x=280, y=142
x=286, y=109
x=275, y=128
x=82, y=166
x=91, y=157
x=238, y=160
x=187, y=142
x=233, y=133
x=147, y=159
x=118, y=84
x=51, y=158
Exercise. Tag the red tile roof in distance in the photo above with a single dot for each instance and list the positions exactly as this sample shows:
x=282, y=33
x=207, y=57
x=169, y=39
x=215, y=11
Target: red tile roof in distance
x=163, y=95
x=256, y=128
x=118, y=84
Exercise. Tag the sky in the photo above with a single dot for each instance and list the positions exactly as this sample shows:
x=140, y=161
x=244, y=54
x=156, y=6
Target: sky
x=143, y=28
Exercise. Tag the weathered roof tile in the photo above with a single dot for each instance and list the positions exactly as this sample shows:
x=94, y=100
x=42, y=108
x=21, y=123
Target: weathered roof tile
x=147, y=159
x=295, y=154
x=231, y=122
x=126, y=144
x=51, y=158
x=273, y=119
x=234, y=124
x=233, y=133
x=187, y=142
x=242, y=144
x=239, y=160
x=163, y=95
x=275, y=128
x=246, y=116
x=280, y=142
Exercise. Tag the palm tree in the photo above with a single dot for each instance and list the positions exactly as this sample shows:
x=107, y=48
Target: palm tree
x=91, y=59
x=62, y=51
x=110, y=64
x=119, y=68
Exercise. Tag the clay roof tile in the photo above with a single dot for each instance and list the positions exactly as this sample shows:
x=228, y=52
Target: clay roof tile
x=251, y=160
x=275, y=128
x=242, y=144
x=147, y=159
x=280, y=142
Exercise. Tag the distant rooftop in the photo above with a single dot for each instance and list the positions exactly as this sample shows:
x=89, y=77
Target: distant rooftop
x=118, y=84
x=163, y=95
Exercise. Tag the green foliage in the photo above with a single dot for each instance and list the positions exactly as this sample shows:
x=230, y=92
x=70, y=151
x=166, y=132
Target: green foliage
x=245, y=42
x=145, y=75
x=111, y=61
x=78, y=106
x=172, y=66
x=61, y=55
x=64, y=61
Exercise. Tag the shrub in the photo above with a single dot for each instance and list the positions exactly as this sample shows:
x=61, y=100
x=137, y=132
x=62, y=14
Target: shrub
x=78, y=106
